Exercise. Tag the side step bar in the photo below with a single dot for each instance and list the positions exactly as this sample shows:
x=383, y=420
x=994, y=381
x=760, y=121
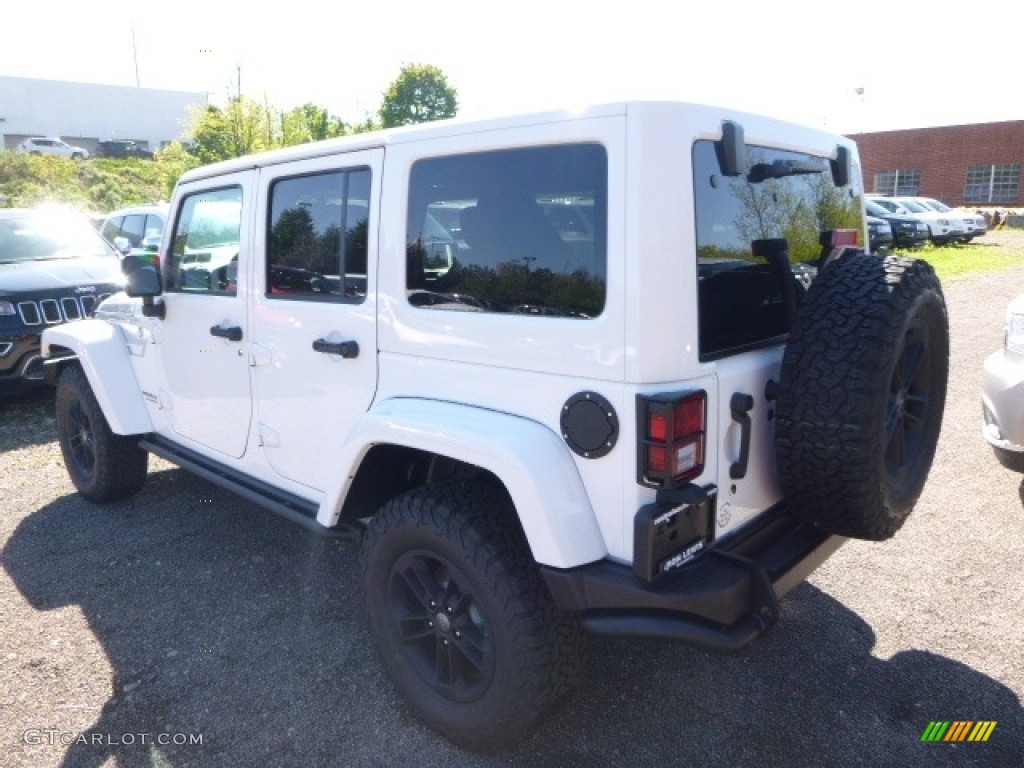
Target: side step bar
x=287, y=505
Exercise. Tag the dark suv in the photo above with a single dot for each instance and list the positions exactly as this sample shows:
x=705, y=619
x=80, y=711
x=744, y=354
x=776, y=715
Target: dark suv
x=54, y=267
x=122, y=148
x=906, y=230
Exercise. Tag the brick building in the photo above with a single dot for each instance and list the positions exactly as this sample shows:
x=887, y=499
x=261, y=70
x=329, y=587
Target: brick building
x=971, y=165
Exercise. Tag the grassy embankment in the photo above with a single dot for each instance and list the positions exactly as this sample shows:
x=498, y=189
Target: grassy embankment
x=993, y=250
x=93, y=186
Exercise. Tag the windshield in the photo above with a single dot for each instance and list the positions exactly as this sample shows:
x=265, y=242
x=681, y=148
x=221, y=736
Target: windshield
x=910, y=205
x=43, y=236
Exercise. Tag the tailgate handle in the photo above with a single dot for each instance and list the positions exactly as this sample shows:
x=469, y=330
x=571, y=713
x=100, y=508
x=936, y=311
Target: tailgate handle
x=740, y=406
x=346, y=349
x=232, y=333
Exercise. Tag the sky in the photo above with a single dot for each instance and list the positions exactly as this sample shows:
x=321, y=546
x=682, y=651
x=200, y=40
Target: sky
x=847, y=67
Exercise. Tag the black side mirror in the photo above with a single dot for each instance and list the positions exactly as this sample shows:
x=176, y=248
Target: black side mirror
x=142, y=278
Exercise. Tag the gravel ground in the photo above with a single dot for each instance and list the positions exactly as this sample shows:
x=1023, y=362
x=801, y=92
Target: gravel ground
x=186, y=628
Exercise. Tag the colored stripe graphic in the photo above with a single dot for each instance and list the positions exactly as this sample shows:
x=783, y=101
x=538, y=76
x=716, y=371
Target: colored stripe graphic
x=982, y=730
x=959, y=730
x=935, y=731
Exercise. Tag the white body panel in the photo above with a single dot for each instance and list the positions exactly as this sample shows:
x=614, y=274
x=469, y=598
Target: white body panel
x=530, y=459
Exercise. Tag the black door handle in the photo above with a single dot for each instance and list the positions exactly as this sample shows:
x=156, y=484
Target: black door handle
x=347, y=349
x=739, y=408
x=232, y=333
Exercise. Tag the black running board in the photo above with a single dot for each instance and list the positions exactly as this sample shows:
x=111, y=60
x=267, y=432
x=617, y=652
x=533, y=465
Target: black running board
x=287, y=505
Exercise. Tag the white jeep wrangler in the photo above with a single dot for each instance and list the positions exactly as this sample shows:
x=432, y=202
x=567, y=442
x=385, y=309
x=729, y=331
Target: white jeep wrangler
x=621, y=370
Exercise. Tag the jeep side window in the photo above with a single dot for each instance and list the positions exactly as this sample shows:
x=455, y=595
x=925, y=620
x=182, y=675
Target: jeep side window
x=513, y=231
x=317, y=236
x=743, y=297
x=205, y=247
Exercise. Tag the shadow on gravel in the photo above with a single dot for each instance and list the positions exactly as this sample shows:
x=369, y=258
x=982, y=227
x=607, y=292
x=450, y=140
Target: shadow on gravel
x=221, y=620
x=27, y=419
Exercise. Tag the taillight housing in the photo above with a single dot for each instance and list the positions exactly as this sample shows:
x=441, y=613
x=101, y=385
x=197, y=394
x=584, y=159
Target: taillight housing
x=671, y=438
x=839, y=238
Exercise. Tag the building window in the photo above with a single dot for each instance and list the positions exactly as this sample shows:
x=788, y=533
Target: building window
x=993, y=183
x=905, y=182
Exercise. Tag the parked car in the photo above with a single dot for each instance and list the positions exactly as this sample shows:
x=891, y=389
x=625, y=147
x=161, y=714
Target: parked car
x=41, y=145
x=135, y=226
x=906, y=230
x=942, y=227
x=975, y=222
x=1002, y=392
x=879, y=232
x=122, y=148
x=54, y=268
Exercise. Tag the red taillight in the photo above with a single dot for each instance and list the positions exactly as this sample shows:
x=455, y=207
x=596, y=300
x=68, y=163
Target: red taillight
x=837, y=238
x=671, y=439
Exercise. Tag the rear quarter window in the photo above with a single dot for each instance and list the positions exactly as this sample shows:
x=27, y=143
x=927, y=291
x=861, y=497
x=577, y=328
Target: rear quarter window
x=518, y=231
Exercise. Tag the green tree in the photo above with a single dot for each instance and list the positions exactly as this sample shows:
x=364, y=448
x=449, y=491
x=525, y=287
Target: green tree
x=420, y=94
x=310, y=123
x=172, y=161
x=242, y=127
x=211, y=135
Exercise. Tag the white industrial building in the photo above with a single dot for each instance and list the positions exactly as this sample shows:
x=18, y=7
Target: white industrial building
x=86, y=113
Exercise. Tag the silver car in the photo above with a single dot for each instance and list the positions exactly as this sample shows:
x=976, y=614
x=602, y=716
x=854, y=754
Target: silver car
x=1003, y=392
x=44, y=145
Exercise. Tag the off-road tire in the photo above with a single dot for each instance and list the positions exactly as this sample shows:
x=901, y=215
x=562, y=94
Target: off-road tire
x=103, y=466
x=861, y=394
x=460, y=616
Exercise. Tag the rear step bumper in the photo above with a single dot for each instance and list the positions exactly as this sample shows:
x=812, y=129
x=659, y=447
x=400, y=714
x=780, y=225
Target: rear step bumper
x=722, y=601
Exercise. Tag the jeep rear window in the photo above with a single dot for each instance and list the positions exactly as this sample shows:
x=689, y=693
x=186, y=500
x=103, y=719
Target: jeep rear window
x=514, y=231
x=744, y=299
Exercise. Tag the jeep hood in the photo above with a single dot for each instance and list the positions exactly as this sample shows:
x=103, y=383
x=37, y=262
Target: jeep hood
x=23, y=276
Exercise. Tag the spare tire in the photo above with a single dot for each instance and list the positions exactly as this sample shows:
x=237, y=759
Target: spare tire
x=861, y=394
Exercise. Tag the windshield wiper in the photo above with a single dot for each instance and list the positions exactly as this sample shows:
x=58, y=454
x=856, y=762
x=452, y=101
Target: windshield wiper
x=781, y=168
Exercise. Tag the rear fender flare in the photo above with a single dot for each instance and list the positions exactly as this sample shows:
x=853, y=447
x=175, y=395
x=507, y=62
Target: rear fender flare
x=527, y=457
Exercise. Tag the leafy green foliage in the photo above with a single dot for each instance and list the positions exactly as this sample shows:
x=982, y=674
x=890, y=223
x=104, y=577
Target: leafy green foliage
x=100, y=185
x=419, y=95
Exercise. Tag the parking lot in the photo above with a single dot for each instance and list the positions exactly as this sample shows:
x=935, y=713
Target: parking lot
x=187, y=628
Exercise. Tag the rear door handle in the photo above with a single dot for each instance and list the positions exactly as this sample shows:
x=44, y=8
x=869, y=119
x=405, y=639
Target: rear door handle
x=346, y=349
x=740, y=405
x=231, y=333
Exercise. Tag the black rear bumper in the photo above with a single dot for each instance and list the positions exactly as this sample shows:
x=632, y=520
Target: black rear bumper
x=722, y=601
